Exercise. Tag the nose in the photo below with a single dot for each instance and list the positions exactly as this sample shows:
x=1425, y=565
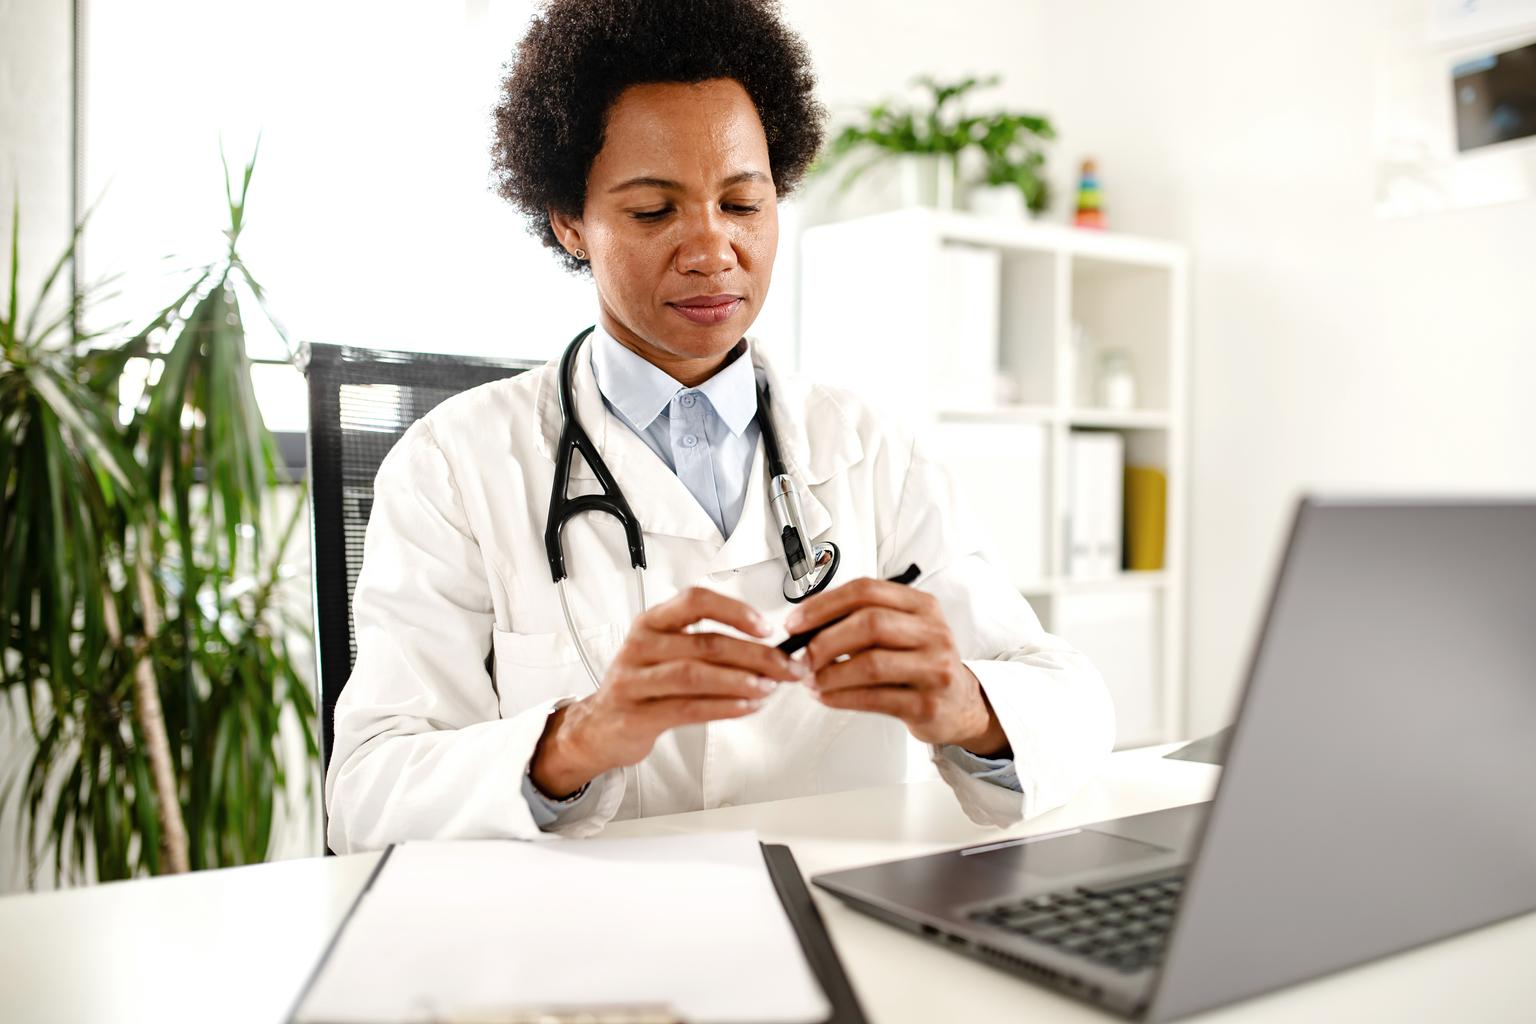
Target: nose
x=705, y=246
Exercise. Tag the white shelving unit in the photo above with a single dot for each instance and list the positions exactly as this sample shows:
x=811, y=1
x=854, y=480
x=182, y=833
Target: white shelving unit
x=879, y=315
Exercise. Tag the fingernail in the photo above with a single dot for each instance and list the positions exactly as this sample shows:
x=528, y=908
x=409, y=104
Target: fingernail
x=767, y=685
x=793, y=622
x=749, y=705
x=800, y=669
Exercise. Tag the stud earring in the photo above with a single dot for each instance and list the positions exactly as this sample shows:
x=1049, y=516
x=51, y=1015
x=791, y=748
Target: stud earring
x=580, y=254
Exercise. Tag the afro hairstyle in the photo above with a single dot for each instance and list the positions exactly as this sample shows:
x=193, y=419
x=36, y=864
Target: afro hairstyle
x=579, y=55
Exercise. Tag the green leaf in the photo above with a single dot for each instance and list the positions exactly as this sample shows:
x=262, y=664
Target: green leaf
x=86, y=500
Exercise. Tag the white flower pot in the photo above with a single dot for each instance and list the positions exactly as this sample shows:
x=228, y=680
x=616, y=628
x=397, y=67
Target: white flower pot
x=927, y=179
x=997, y=201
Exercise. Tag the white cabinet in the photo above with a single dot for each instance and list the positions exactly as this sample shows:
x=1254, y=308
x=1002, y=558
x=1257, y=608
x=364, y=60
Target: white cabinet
x=992, y=335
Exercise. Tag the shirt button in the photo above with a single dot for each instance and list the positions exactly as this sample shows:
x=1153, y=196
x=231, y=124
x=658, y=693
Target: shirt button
x=688, y=401
x=689, y=441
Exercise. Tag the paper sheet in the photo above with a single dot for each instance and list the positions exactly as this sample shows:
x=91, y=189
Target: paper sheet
x=471, y=929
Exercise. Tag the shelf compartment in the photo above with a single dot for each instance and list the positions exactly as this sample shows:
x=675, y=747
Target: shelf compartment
x=1122, y=308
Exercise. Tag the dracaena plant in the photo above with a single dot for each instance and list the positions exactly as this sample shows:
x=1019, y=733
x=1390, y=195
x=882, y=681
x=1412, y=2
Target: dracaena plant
x=144, y=638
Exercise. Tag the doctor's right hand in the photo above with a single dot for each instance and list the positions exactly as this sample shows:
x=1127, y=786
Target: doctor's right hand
x=663, y=676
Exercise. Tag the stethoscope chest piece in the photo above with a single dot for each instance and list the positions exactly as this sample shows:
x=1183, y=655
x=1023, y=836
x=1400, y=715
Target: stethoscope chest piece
x=822, y=566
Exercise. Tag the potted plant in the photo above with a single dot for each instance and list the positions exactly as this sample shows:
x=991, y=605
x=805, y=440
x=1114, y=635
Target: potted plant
x=930, y=142
x=143, y=639
x=1013, y=171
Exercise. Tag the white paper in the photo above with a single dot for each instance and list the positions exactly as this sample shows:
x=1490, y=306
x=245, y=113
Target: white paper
x=472, y=928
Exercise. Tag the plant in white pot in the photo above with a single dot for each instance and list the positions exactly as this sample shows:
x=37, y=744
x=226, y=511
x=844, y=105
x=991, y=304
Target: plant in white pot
x=1013, y=172
x=929, y=141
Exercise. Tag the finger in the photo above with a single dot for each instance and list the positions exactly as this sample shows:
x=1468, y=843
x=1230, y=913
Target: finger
x=867, y=627
x=718, y=649
x=692, y=678
x=689, y=710
x=897, y=701
x=855, y=594
x=878, y=666
x=697, y=604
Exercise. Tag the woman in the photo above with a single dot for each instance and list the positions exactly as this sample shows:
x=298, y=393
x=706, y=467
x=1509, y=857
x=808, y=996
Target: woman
x=649, y=143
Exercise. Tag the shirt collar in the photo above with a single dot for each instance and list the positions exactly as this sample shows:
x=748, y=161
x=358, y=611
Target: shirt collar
x=733, y=390
x=640, y=390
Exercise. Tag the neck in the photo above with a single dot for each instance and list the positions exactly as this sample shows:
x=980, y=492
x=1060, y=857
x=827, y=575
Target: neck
x=690, y=373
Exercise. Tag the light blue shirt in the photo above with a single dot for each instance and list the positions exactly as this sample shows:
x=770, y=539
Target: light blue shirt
x=707, y=435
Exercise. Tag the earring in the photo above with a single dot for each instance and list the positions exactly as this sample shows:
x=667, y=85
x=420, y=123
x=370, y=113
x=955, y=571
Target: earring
x=580, y=254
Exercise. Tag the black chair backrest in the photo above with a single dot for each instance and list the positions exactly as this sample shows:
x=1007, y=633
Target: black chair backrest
x=360, y=402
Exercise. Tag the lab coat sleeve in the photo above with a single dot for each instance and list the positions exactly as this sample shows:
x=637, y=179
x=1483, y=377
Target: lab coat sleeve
x=421, y=749
x=1050, y=700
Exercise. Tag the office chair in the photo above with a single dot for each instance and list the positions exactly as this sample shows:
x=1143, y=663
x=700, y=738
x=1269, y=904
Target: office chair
x=360, y=402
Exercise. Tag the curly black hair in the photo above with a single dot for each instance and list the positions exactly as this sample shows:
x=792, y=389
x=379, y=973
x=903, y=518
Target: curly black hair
x=579, y=55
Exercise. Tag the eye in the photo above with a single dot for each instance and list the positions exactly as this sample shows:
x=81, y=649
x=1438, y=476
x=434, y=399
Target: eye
x=651, y=214
x=741, y=208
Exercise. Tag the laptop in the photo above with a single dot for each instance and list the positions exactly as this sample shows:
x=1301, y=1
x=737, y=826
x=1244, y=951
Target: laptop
x=1377, y=794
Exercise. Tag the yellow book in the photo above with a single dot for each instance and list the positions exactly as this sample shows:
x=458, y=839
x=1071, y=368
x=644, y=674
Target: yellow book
x=1146, y=513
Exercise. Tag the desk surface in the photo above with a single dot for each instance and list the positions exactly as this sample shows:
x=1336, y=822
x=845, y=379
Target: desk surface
x=236, y=945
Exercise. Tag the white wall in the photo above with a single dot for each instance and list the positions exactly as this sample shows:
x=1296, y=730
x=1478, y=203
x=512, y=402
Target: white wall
x=35, y=44
x=1330, y=349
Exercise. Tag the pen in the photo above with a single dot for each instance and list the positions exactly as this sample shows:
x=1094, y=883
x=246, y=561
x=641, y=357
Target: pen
x=799, y=640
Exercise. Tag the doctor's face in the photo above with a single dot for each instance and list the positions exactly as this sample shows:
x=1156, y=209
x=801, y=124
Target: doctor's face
x=680, y=223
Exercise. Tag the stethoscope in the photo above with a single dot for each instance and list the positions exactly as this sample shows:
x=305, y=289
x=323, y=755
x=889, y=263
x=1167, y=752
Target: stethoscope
x=810, y=567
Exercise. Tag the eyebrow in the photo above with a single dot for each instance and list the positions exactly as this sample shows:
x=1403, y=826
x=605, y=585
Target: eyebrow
x=668, y=185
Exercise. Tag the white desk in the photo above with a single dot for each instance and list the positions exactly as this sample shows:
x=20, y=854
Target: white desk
x=236, y=945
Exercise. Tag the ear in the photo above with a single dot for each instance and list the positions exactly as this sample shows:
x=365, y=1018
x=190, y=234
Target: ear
x=567, y=229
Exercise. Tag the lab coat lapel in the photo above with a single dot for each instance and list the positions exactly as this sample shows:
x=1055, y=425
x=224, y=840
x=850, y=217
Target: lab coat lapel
x=817, y=436
x=756, y=536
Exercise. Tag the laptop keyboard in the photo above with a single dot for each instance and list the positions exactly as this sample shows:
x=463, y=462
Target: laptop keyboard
x=1122, y=927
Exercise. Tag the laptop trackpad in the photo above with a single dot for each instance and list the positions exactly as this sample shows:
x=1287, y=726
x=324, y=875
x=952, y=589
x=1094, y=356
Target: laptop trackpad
x=1048, y=859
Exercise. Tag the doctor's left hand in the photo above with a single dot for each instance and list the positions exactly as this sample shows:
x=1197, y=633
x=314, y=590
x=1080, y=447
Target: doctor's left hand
x=894, y=654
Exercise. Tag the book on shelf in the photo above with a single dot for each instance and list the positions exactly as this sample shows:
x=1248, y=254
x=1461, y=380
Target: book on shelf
x=1095, y=496
x=1146, y=515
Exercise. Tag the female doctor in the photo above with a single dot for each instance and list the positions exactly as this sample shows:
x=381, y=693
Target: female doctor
x=649, y=143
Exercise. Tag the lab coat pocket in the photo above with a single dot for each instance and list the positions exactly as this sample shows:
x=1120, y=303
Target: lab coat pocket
x=534, y=667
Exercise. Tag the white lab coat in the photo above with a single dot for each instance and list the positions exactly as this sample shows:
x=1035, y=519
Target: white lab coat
x=429, y=745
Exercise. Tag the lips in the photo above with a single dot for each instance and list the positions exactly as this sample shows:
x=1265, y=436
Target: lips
x=707, y=309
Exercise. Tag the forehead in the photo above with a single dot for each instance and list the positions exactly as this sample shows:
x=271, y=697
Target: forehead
x=674, y=129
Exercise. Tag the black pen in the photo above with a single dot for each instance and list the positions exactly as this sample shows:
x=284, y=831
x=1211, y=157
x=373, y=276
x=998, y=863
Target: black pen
x=907, y=576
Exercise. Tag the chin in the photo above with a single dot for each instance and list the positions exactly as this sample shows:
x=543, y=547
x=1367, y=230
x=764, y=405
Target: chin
x=699, y=341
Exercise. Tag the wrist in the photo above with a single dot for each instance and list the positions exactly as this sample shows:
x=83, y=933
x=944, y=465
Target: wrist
x=988, y=739
x=560, y=767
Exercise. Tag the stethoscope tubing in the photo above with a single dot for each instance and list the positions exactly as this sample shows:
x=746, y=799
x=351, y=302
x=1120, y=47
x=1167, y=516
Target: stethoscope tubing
x=563, y=507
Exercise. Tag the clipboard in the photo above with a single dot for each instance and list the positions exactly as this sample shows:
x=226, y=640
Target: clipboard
x=799, y=909
x=814, y=940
